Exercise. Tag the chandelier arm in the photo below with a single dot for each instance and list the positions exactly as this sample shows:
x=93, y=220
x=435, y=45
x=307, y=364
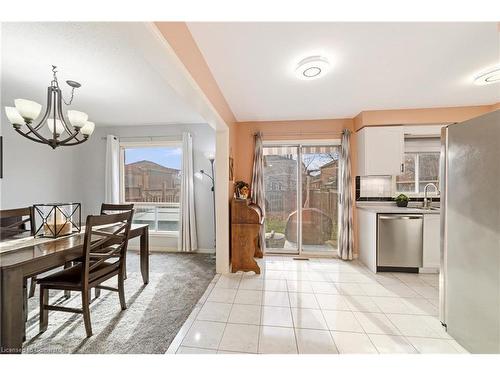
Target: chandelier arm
x=35, y=132
x=73, y=136
x=30, y=138
x=77, y=142
x=47, y=111
x=60, y=113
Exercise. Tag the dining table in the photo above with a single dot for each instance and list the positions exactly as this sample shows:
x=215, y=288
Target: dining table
x=22, y=258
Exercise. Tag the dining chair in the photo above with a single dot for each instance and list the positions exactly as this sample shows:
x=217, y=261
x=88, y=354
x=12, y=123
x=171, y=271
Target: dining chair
x=103, y=257
x=113, y=208
x=15, y=223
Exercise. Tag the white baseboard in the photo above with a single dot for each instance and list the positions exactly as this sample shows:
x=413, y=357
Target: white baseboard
x=428, y=270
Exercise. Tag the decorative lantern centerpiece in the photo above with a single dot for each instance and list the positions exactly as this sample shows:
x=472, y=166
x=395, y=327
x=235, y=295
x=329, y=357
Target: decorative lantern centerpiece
x=57, y=219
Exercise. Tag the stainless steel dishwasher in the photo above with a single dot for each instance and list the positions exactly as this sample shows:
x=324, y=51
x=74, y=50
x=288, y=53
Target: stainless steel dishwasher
x=399, y=242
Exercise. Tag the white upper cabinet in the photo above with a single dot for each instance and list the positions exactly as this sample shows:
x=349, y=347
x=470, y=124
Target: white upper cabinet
x=380, y=151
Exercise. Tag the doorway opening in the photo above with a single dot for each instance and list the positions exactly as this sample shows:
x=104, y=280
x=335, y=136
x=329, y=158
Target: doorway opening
x=301, y=191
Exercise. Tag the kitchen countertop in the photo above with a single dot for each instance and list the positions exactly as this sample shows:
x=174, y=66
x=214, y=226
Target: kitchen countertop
x=393, y=209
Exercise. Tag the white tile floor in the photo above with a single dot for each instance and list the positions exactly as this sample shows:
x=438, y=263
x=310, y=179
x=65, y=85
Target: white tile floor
x=316, y=306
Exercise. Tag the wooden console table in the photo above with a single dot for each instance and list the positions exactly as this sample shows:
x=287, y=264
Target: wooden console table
x=246, y=221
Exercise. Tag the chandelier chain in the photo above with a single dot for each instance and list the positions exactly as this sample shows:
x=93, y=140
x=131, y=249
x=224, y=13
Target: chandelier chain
x=54, y=71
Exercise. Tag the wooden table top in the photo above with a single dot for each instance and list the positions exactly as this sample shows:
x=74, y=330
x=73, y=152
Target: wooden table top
x=30, y=249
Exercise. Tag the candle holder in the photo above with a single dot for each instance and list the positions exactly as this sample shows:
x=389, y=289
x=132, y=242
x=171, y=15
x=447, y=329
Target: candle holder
x=57, y=219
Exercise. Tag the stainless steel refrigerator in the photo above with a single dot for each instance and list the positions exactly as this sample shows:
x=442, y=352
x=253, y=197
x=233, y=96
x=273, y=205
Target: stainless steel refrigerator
x=470, y=233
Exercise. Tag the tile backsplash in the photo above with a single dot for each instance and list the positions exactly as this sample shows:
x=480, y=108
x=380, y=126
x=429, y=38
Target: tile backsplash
x=376, y=187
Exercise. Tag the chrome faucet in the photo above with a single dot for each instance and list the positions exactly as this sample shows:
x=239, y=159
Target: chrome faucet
x=428, y=201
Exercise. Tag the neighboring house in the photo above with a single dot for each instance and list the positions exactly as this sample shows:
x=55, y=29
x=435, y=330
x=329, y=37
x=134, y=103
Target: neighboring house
x=146, y=181
x=326, y=177
x=280, y=184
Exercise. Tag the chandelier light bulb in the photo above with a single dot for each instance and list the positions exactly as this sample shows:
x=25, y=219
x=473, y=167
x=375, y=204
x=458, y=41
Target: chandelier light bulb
x=78, y=119
x=14, y=117
x=59, y=127
x=28, y=109
x=88, y=128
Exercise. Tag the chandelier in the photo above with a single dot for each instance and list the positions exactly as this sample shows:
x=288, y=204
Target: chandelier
x=58, y=129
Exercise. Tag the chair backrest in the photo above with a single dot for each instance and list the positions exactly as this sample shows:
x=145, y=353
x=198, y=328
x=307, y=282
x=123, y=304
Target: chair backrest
x=111, y=208
x=14, y=222
x=106, y=237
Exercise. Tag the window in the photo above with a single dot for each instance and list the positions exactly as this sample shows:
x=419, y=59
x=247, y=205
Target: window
x=420, y=168
x=151, y=179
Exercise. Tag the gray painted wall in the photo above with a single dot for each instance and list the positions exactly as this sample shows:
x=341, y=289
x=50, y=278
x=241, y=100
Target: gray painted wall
x=34, y=173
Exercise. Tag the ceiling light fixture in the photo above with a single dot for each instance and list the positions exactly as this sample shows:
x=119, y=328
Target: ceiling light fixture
x=488, y=77
x=26, y=111
x=312, y=67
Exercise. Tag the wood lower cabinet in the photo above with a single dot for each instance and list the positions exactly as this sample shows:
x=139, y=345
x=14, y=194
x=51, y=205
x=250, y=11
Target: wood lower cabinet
x=246, y=222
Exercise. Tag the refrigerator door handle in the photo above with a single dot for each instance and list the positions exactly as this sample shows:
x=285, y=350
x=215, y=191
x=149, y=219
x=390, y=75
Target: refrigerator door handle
x=443, y=186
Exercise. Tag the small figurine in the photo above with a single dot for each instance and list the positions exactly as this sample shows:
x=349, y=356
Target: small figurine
x=242, y=190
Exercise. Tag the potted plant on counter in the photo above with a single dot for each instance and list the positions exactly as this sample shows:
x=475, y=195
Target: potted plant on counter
x=402, y=200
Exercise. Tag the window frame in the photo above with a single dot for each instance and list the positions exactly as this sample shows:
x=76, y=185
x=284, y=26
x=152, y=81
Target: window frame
x=156, y=205
x=416, y=181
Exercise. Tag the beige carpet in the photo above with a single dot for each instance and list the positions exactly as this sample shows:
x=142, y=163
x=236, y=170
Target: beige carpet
x=154, y=315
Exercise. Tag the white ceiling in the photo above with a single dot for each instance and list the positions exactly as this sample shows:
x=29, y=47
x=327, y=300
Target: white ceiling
x=112, y=62
x=376, y=66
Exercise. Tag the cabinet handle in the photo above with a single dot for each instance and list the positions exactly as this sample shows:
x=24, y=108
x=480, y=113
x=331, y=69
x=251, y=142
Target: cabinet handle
x=402, y=167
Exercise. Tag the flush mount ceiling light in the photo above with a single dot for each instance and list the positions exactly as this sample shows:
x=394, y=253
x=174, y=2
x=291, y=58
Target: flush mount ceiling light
x=312, y=67
x=488, y=77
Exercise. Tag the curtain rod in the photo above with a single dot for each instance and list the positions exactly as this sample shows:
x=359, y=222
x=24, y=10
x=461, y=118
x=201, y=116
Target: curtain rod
x=149, y=137
x=266, y=134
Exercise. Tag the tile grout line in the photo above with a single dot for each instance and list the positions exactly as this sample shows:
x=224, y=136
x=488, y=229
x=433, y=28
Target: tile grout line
x=226, y=323
x=293, y=320
x=307, y=279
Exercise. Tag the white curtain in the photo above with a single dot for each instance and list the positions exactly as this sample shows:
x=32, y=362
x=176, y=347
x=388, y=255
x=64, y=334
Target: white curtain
x=258, y=196
x=188, y=240
x=112, y=173
x=346, y=240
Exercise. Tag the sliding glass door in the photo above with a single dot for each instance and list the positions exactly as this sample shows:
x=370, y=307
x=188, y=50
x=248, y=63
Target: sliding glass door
x=281, y=180
x=320, y=167
x=301, y=198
